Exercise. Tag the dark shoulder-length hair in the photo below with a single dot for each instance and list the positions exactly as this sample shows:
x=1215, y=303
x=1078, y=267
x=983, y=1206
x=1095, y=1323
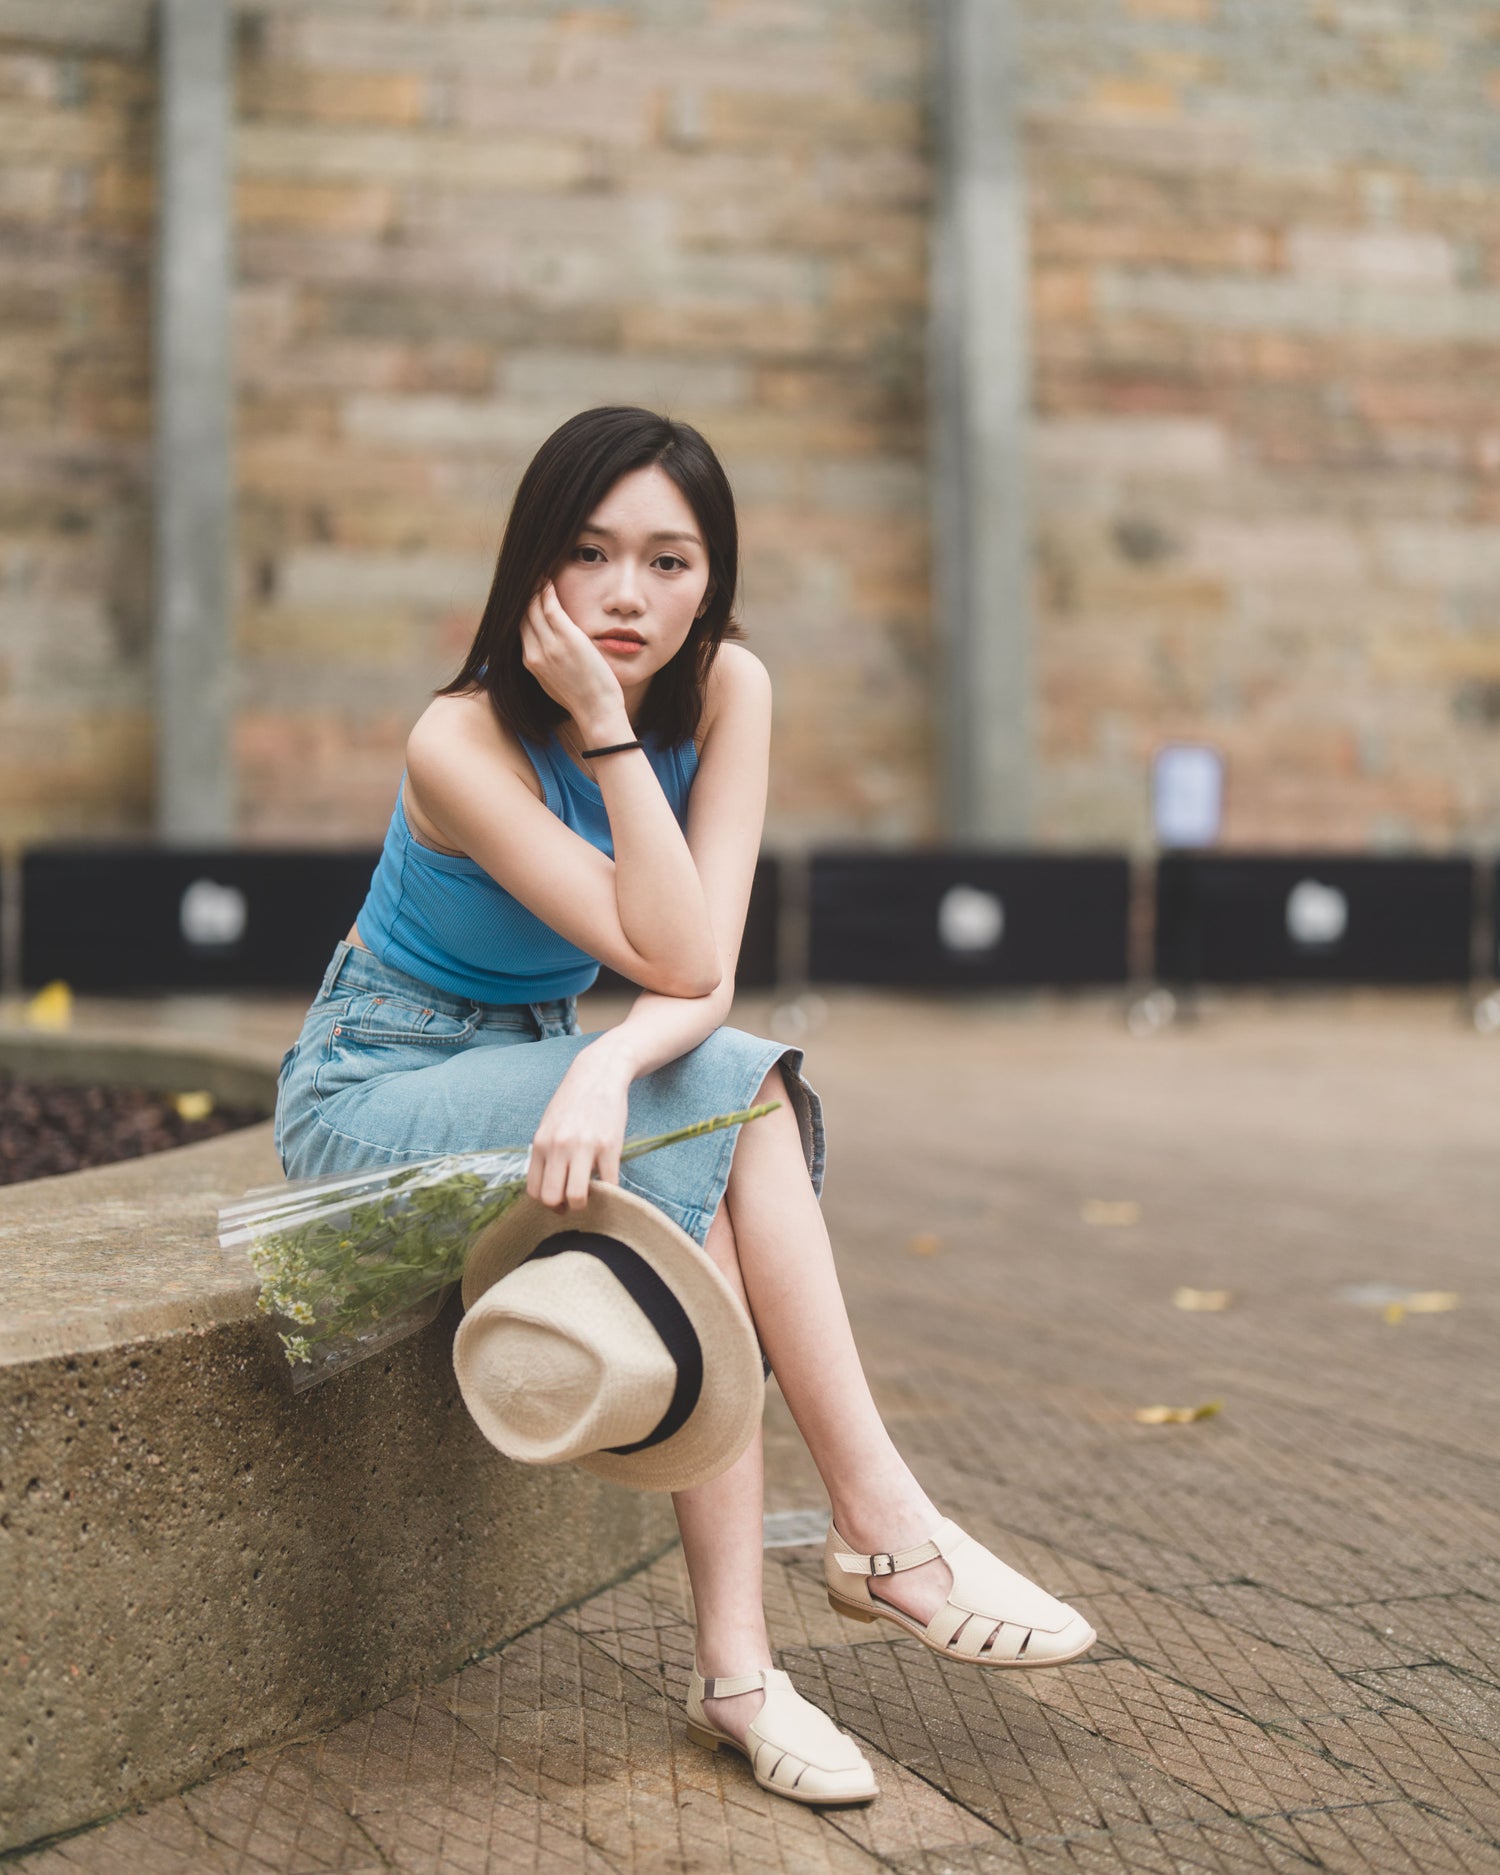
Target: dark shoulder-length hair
x=565, y=481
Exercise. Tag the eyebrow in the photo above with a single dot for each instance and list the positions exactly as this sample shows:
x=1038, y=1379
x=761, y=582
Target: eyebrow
x=593, y=527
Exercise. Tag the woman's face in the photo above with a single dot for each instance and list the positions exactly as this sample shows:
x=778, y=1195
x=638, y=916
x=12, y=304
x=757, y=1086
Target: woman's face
x=636, y=576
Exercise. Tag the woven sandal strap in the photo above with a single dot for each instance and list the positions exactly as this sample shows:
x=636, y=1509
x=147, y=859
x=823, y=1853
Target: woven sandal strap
x=885, y=1562
x=723, y=1685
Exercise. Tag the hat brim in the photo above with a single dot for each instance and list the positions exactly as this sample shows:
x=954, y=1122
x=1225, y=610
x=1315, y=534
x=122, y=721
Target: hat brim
x=731, y=1403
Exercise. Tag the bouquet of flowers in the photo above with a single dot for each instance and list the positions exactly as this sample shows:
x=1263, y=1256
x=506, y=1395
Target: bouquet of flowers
x=357, y=1263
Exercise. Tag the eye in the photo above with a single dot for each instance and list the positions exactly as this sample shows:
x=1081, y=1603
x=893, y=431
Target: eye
x=678, y=563
x=585, y=548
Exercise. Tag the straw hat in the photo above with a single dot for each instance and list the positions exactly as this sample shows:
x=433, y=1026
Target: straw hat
x=606, y=1338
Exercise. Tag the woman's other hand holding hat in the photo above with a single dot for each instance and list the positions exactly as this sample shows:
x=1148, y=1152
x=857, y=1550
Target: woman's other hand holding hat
x=583, y=1128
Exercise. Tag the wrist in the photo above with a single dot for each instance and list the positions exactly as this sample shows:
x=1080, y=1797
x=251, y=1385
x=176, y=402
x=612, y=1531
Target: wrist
x=612, y=1054
x=599, y=732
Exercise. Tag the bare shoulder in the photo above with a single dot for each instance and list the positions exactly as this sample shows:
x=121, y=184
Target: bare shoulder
x=464, y=727
x=737, y=682
x=468, y=724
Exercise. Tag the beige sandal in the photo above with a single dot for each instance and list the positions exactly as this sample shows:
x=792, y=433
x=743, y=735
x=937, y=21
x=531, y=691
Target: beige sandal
x=989, y=1602
x=795, y=1750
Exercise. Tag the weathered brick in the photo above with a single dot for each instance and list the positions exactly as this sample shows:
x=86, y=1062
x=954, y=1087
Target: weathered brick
x=316, y=153
x=120, y=26
x=337, y=577
x=1194, y=11
x=1454, y=557
x=1133, y=446
x=1391, y=256
x=622, y=377
x=1134, y=97
x=289, y=92
x=296, y=636
x=751, y=118
x=605, y=107
x=276, y=202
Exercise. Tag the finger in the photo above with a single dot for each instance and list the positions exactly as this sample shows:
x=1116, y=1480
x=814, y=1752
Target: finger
x=552, y=609
x=536, y=618
x=536, y=1178
x=609, y=1167
x=578, y=1179
x=554, y=1179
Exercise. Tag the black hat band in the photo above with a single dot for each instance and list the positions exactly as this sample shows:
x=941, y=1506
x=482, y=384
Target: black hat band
x=654, y=1298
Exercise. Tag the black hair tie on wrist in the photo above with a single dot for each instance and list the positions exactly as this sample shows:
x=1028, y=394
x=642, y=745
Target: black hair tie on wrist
x=615, y=748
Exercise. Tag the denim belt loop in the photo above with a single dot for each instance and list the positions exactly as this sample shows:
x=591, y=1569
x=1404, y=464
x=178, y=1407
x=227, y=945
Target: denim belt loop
x=548, y=1026
x=341, y=953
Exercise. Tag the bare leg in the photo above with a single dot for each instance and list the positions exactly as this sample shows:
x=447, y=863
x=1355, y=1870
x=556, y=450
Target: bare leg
x=770, y=1241
x=786, y=1264
x=722, y=1541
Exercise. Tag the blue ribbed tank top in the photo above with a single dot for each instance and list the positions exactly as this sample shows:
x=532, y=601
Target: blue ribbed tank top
x=441, y=918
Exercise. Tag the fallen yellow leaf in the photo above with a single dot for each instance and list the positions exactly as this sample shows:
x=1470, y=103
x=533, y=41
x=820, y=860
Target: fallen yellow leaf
x=1176, y=1415
x=1393, y=1312
x=1431, y=1301
x=926, y=1243
x=195, y=1106
x=51, y=1007
x=1111, y=1212
x=1202, y=1298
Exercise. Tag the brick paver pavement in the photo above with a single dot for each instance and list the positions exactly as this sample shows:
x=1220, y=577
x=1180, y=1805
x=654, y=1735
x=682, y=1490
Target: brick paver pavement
x=1298, y=1600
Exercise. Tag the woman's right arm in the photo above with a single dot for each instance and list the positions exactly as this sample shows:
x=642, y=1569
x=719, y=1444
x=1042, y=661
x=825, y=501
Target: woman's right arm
x=643, y=913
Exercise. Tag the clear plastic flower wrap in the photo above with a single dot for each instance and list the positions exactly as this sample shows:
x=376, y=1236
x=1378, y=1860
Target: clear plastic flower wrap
x=358, y=1262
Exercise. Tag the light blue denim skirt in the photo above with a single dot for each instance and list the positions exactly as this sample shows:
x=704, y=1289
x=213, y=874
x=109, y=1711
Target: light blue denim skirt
x=389, y=1070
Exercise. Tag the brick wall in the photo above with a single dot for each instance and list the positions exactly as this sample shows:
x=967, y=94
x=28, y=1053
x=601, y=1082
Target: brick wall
x=1266, y=263
x=456, y=232
x=77, y=136
x=1267, y=349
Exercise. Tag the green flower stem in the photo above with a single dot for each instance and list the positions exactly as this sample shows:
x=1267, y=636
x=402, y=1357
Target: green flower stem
x=633, y=1148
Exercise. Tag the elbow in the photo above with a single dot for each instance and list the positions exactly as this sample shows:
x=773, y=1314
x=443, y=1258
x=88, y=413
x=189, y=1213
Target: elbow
x=704, y=984
x=691, y=983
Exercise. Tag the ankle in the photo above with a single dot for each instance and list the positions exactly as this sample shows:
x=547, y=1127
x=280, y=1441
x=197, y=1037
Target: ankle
x=891, y=1521
x=723, y=1656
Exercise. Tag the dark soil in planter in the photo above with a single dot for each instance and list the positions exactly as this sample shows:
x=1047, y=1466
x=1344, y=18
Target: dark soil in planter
x=52, y=1126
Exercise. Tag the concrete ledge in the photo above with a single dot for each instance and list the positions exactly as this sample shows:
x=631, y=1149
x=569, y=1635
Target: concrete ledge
x=194, y=1561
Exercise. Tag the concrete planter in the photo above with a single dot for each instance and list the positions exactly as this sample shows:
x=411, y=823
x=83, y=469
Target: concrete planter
x=194, y=1561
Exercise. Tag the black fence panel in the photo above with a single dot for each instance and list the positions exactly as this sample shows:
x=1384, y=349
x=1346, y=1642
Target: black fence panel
x=1313, y=918
x=947, y=918
x=107, y=918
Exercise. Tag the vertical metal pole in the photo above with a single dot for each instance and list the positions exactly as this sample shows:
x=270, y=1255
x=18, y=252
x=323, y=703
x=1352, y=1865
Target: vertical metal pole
x=191, y=392
x=980, y=376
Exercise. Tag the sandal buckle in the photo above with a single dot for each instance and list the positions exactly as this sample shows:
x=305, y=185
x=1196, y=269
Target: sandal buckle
x=883, y=1565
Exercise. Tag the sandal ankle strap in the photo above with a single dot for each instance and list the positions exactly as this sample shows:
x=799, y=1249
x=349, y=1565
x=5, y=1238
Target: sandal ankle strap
x=891, y=1562
x=888, y=1562
x=723, y=1685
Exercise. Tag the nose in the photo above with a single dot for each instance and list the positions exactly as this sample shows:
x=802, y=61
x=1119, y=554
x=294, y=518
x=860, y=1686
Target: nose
x=625, y=592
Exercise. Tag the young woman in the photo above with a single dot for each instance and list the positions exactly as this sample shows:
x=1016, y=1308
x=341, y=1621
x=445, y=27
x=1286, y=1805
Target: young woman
x=591, y=788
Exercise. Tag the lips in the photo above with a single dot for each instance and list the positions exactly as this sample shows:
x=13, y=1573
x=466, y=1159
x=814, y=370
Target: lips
x=629, y=637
